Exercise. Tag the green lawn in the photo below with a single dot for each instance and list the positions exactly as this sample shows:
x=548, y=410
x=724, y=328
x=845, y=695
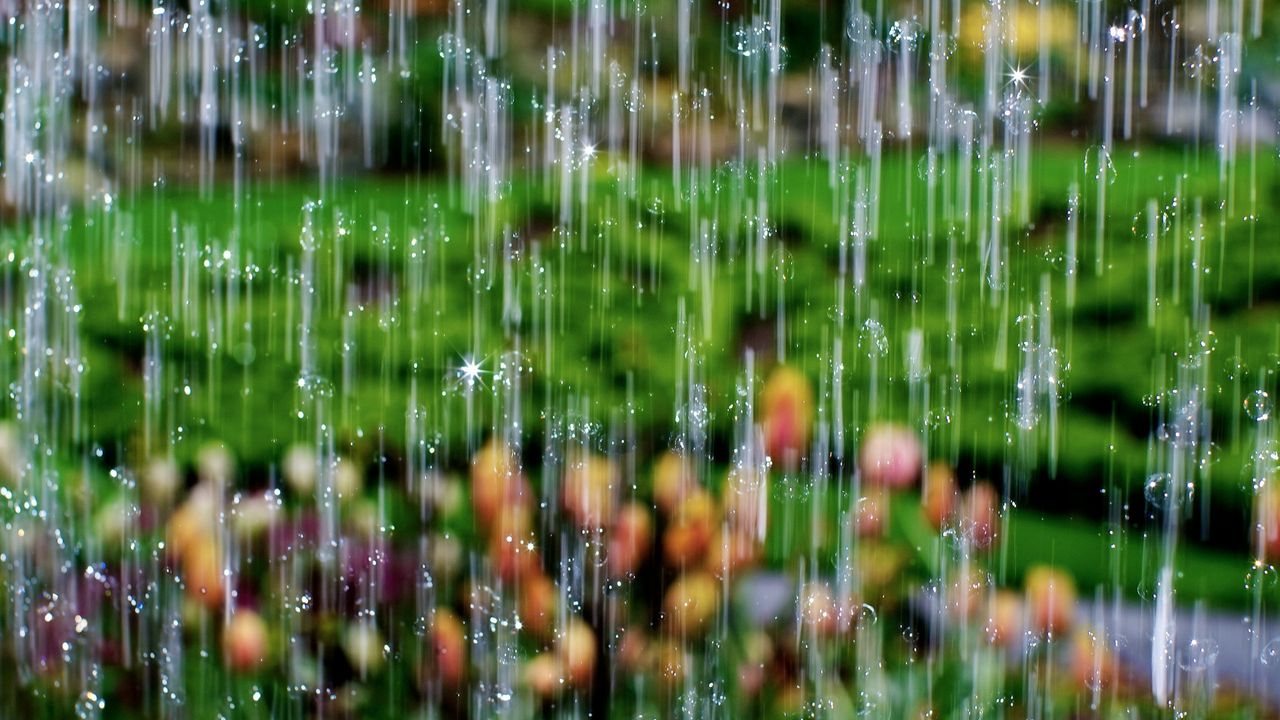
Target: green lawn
x=598, y=316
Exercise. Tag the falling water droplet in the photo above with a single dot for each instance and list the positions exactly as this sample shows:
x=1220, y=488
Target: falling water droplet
x=1257, y=405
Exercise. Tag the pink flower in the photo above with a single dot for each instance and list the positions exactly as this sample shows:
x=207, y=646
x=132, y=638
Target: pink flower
x=891, y=456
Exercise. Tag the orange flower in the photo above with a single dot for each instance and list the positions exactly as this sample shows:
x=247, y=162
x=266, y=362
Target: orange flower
x=1051, y=599
x=687, y=537
x=979, y=519
x=673, y=480
x=538, y=597
x=449, y=646
x=691, y=602
x=244, y=641
x=496, y=481
x=542, y=675
x=631, y=538
x=786, y=416
x=589, y=484
x=577, y=652
x=940, y=494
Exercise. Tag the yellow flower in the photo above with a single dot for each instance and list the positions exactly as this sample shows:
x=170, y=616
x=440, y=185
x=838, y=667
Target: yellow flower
x=1022, y=29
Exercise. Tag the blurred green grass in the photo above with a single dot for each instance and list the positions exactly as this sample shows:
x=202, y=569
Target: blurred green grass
x=399, y=305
